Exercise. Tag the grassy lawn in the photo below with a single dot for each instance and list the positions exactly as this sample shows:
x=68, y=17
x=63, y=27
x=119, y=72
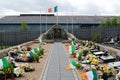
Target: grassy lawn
x=3, y=47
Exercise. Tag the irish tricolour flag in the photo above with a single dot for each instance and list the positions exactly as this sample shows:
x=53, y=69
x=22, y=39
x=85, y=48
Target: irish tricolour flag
x=71, y=66
x=4, y=63
x=91, y=75
x=71, y=49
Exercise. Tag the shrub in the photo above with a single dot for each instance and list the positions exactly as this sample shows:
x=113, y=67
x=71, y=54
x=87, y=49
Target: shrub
x=42, y=51
x=24, y=27
x=96, y=38
x=36, y=58
x=79, y=58
x=39, y=53
x=78, y=66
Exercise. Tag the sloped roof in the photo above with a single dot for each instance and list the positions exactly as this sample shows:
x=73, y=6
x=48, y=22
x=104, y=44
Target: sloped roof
x=53, y=19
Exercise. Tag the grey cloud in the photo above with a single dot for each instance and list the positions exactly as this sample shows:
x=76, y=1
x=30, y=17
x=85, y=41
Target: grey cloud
x=26, y=6
x=116, y=8
x=92, y=9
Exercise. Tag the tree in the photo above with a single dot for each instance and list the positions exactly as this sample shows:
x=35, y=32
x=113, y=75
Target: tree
x=114, y=21
x=107, y=22
x=24, y=27
x=118, y=21
x=102, y=24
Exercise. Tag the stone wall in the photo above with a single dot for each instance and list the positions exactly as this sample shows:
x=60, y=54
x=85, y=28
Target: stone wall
x=112, y=51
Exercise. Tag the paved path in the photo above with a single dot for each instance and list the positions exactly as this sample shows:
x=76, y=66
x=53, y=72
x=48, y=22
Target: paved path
x=56, y=69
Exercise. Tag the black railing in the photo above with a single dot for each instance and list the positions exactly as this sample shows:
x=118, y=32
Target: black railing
x=14, y=38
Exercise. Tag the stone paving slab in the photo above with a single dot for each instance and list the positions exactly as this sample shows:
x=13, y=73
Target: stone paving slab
x=56, y=69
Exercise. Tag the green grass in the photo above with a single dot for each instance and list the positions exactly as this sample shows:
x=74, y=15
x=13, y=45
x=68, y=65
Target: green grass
x=3, y=47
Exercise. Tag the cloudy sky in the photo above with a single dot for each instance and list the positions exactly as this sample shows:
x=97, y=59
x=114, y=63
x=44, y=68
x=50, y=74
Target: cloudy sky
x=76, y=7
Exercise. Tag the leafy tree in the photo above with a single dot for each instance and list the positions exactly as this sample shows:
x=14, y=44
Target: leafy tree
x=102, y=24
x=118, y=21
x=24, y=27
x=110, y=22
x=114, y=21
x=107, y=22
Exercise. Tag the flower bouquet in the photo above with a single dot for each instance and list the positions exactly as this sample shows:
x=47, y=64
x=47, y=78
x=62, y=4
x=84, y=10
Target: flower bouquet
x=94, y=60
x=92, y=57
x=85, y=51
x=19, y=72
x=107, y=70
x=27, y=68
x=9, y=71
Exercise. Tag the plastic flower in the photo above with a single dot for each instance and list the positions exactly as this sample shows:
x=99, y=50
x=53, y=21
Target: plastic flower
x=106, y=69
x=92, y=57
x=95, y=62
x=112, y=70
x=18, y=71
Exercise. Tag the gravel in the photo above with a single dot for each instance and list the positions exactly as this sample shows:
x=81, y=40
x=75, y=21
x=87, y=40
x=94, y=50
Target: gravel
x=35, y=75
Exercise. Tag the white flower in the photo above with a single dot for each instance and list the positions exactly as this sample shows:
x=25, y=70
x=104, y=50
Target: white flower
x=18, y=71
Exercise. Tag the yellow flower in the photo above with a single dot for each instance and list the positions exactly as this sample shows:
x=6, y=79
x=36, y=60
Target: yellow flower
x=112, y=70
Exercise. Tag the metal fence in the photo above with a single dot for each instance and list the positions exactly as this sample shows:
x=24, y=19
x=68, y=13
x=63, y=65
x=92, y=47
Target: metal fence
x=105, y=32
x=85, y=33
x=15, y=38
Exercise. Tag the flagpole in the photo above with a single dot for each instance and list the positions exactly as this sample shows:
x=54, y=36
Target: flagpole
x=56, y=11
x=57, y=15
x=66, y=20
x=72, y=21
x=40, y=22
x=46, y=21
